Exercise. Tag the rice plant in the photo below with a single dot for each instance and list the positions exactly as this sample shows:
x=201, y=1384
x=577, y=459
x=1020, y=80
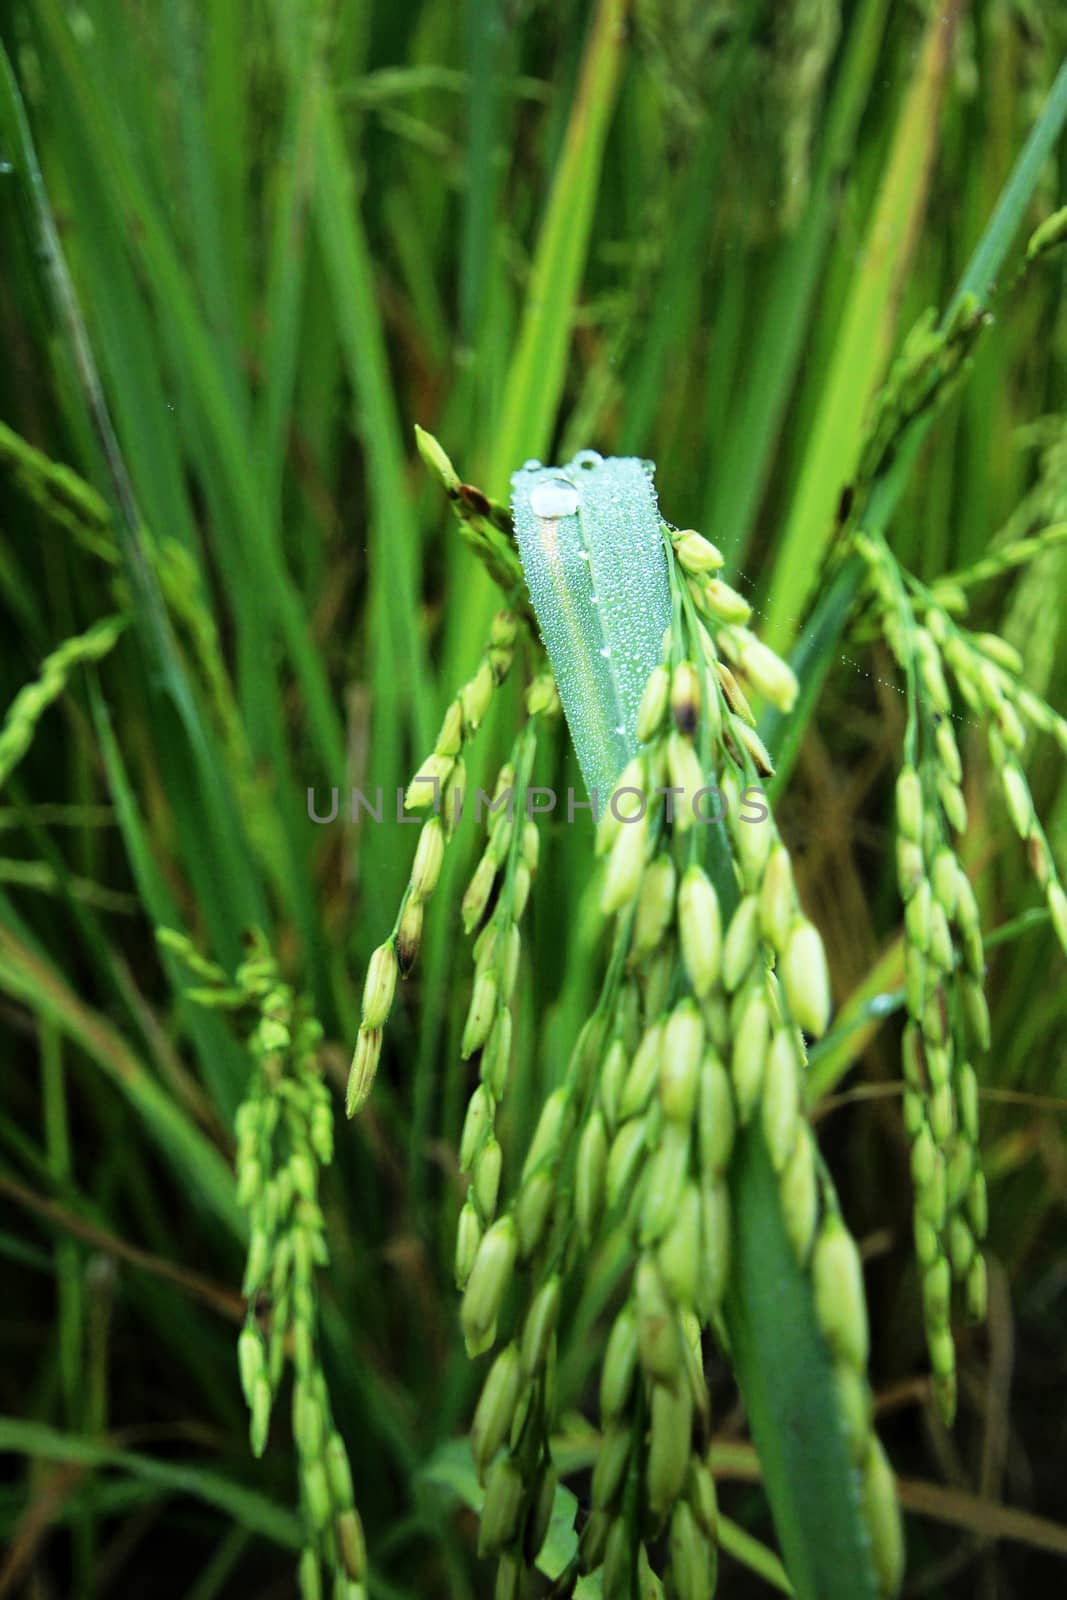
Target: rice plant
x=532, y=818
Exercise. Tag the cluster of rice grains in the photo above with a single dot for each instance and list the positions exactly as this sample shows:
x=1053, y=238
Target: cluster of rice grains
x=697, y=1039
x=714, y=978
x=284, y=1137
x=487, y=1244
x=948, y=1019
x=438, y=786
x=502, y=880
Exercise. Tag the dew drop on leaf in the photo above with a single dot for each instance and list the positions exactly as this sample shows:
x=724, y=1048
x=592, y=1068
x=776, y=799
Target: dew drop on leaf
x=554, y=499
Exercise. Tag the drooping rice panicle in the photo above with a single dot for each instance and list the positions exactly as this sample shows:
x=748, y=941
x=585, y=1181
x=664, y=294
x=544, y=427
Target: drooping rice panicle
x=439, y=786
x=284, y=1133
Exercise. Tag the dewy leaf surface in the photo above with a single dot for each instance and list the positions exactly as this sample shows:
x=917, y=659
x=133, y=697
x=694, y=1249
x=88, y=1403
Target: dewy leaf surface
x=592, y=550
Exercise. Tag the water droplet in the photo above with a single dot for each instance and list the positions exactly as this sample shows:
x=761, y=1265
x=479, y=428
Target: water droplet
x=588, y=459
x=531, y=465
x=605, y=650
x=583, y=555
x=5, y=166
x=594, y=599
x=554, y=499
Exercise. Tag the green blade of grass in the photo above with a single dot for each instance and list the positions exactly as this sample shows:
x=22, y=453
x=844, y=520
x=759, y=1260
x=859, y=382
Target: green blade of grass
x=816, y=650
x=396, y=634
x=529, y=405
x=32, y=979
x=748, y=1552
x=785, y=1373
x=744, y=457
x=862, y=349
x=536, y=377
x=243, y=1506
x=223, y=432
x=190, y=748
x=786, y=1378
x=1002, y=227
x=223, y=1065
x=675, y=303
x=197, y=176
